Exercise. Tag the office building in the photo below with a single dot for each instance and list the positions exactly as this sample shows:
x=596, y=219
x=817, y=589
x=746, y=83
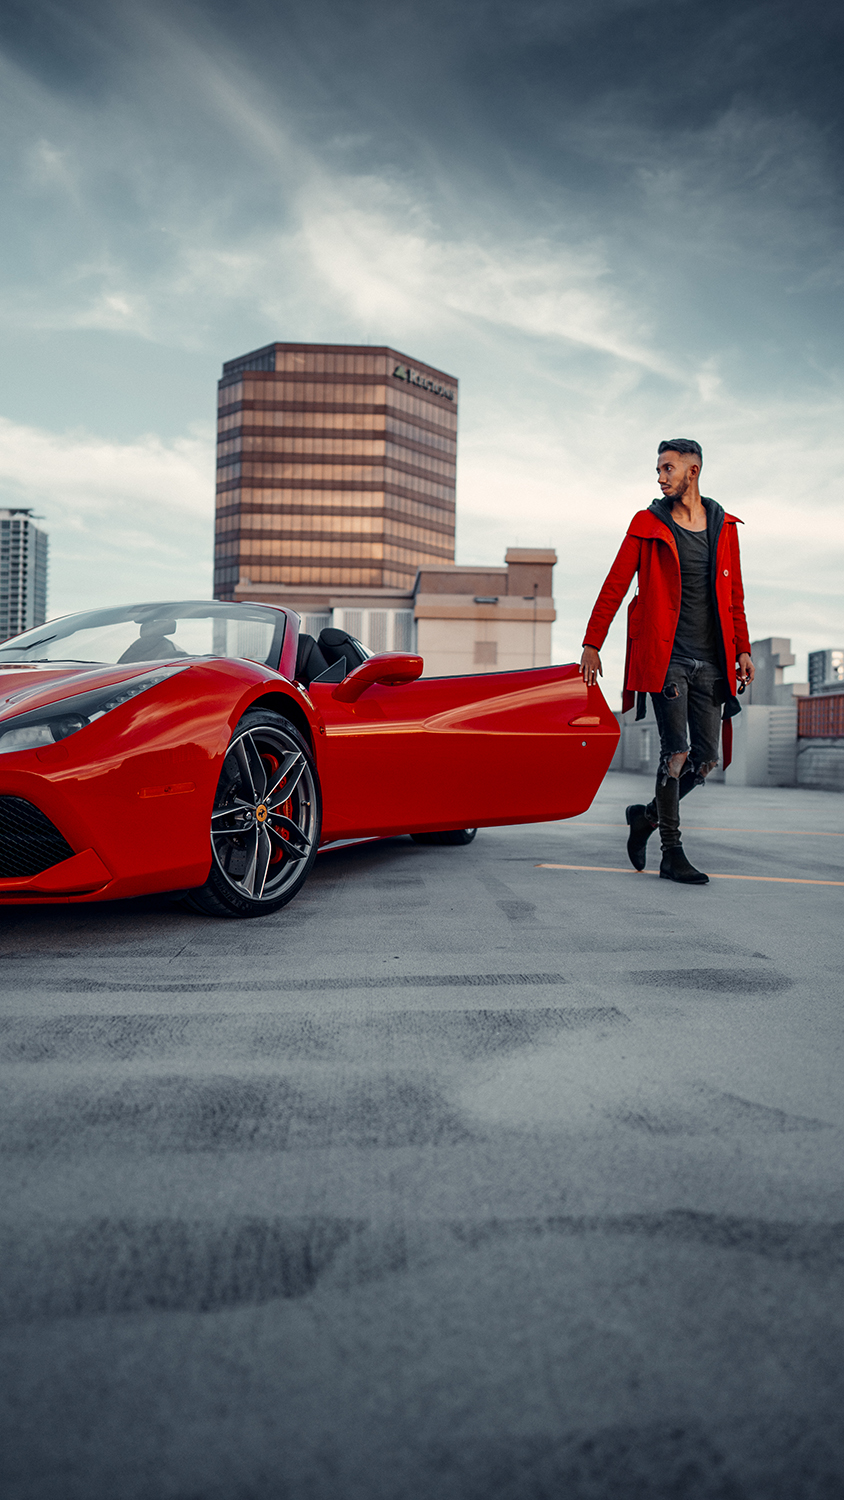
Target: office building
x=23, y=572
x=335, y=482
x=826, y=671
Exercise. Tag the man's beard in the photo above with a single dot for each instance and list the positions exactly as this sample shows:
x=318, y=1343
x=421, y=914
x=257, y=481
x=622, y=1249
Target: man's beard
x=680, y=492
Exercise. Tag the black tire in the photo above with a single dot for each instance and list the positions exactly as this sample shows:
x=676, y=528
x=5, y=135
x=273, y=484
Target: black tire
x=454, y=836
x=266, y=821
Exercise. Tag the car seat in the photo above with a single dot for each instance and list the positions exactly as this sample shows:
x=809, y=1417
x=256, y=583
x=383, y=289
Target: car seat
x=338, y=646
x=152, y=643
x=310, y=662
x=328, y=659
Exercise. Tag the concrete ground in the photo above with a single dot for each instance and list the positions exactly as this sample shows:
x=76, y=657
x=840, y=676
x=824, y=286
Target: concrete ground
x=476, y=1174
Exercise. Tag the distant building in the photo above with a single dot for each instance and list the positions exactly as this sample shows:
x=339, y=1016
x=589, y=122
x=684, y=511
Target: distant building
x=770, y=658
x=783, y=736
x=479, y=619
x=23, y=572
x=335, y=483
x=461, y=618
x=826, y=671
x=764, y=733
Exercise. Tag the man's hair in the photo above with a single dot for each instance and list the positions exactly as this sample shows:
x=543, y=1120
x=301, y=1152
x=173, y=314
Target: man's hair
x=682, y=445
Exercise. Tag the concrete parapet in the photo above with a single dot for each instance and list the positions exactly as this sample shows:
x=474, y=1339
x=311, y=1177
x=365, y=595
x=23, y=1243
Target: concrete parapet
x=820, y=764
x=764, y=746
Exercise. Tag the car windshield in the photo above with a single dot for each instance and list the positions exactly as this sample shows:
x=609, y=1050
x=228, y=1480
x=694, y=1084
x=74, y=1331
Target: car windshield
x=154, y=632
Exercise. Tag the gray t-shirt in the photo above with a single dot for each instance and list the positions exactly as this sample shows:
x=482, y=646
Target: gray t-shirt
x=697, y=631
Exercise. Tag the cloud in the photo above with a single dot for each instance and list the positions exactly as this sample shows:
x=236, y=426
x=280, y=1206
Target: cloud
x=603, y=244
x=90, y=475
x=574, y=483
x=209, y=176
x=125, y=520
x=50, y=168
x=370, y=242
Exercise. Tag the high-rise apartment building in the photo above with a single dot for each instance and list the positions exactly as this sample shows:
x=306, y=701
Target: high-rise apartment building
x=23, y=572
x=826, y=671
x=335, y=478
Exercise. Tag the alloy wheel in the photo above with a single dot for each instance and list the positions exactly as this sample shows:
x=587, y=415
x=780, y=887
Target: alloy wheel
x=265, y=818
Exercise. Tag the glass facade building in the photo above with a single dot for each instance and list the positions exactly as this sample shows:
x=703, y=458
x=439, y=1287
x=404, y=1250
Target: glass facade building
x=336, y=469
x=23, y=573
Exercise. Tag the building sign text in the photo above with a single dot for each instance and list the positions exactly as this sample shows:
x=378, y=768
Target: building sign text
x=404, y=372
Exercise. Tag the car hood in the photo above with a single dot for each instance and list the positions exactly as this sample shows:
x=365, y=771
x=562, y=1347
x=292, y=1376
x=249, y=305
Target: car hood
x=30, y=684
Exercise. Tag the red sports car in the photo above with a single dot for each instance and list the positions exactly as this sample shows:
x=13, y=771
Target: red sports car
x=212, y=748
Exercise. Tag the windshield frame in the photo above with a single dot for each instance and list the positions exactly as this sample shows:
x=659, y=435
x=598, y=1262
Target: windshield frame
x=14, y=653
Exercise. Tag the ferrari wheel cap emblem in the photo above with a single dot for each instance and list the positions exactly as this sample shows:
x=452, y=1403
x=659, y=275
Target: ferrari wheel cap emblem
x=261, y=813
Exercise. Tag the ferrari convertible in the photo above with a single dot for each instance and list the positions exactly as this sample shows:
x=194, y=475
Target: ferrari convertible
x=211, y=749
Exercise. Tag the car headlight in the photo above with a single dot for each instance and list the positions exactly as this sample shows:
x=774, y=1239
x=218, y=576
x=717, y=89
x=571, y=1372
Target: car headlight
x=55, y=721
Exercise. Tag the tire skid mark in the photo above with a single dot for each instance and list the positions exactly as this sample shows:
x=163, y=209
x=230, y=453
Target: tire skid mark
x=118, y=1266
x=268, y=1034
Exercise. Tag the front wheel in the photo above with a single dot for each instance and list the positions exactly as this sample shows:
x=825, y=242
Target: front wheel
x=266, y=820
x=454, y=836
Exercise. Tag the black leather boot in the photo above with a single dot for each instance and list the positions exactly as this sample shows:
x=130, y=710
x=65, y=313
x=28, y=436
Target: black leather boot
x=641, y=827
x=675, y=866
x=686, y=784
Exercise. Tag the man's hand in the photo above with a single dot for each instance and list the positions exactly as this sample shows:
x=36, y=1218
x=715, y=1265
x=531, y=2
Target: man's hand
x=747, y=671
x=590, y=666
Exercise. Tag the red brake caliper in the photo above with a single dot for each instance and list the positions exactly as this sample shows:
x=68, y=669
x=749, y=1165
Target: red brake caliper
x=277, y=855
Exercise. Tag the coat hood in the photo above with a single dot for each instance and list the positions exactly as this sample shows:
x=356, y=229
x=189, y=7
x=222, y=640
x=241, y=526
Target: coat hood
x=716, y=515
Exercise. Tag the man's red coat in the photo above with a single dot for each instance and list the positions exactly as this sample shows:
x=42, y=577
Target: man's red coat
x=650, y=549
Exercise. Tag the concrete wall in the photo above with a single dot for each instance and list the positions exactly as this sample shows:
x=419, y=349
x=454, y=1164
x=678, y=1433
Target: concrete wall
x=473, y=619
x=764, y=746
x=820, y=764
x=638, y=747
x=766, y=750
x=456, y=648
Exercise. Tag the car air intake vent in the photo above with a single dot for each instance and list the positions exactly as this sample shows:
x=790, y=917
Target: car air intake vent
x=29, y=843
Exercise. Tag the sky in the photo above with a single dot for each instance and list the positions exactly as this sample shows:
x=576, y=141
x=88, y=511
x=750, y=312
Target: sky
x=615, y=221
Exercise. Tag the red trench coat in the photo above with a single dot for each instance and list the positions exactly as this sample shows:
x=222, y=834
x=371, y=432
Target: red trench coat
x=650, y=550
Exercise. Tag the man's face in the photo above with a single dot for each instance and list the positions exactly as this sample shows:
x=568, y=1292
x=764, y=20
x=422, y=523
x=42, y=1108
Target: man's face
x=673, y=470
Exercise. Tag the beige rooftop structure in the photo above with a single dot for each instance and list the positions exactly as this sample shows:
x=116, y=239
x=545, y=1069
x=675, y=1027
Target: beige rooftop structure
x=461, y=619
x=485, y=619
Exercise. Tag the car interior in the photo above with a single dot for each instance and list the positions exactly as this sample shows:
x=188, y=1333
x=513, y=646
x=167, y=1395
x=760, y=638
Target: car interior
x=329, y=658
x=152, y=643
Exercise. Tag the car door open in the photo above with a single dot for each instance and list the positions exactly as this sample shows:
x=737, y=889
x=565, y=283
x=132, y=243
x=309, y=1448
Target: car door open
x=455, y=752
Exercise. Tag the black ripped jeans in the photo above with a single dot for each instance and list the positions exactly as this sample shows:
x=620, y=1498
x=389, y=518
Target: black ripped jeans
x=688, y=716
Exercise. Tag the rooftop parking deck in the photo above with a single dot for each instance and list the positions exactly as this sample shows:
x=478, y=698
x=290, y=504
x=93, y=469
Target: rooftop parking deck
x=477, y=1173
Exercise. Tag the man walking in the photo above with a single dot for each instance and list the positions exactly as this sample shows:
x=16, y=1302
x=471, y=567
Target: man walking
x=687, y=642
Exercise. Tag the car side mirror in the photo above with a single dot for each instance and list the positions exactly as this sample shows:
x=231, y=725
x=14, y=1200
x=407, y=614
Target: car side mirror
x=389, y=669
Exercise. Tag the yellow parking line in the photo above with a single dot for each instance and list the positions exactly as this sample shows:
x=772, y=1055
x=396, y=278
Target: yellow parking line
x=793, y=833
x=618, y=870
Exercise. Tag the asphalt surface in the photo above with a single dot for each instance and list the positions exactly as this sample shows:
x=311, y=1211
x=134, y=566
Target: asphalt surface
x=462, y=1178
